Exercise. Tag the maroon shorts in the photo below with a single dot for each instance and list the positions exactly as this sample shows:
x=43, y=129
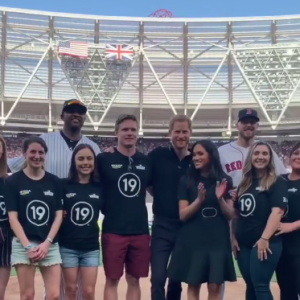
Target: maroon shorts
x=131, y=252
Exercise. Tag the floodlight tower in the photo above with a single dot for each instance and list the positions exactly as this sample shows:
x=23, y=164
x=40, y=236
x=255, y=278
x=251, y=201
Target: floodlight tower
x=161, y=13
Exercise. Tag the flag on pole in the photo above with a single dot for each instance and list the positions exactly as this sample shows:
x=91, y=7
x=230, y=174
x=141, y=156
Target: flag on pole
x=77, y=49
x=119, y=52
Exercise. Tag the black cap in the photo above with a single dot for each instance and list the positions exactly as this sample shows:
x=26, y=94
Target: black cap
x=248, y=113
x=69, y=105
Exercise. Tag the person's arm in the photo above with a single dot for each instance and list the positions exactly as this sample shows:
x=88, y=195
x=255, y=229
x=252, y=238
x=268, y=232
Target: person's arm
x=58, y=213
x=11, y=199
x=226, y=203
x=234, y=220
x=151, y=163
x=43, y=248
x=187, y=209
x=278, y=195
x=294, y=225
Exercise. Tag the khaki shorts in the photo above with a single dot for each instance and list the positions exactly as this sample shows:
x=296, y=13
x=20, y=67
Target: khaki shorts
x=19, y=257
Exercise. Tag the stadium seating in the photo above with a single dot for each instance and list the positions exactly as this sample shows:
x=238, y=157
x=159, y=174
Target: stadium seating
x=145, y=145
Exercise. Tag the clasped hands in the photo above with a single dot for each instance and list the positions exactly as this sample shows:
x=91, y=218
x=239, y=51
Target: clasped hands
x=39, y=252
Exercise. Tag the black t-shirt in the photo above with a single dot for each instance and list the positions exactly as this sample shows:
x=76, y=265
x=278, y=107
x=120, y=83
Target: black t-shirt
x=35, y=201
x=82, y=205
x=125, y=180
x=167, y=170
x=291, y=241
x=3, y=213
x=208, y=228
x=254, y=208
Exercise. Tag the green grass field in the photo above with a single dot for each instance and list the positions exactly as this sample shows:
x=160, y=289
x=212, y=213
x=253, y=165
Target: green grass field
x=238, y=274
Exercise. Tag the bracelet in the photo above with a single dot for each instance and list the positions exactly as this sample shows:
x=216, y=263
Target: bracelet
x=28, y=247
x=49, y=240
x=265, y=239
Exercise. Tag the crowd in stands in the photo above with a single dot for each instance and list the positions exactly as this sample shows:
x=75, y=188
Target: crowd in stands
x=14, y=143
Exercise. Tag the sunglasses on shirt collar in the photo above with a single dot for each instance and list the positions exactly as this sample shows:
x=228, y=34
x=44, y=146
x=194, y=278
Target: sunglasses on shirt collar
x=130, y=164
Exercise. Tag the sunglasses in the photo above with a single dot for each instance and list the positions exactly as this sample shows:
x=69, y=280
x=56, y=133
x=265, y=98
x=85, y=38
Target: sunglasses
x=130, y=164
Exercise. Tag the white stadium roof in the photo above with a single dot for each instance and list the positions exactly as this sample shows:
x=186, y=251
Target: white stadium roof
x=205, y=68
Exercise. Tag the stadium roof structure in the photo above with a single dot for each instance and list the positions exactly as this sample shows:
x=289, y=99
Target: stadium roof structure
x=205, y=68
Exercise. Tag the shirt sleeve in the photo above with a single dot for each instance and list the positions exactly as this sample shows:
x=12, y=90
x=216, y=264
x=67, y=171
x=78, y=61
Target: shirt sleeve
x=99, y=164
x=222, y=158
x=11, y=196
x=278, y=193
x=59, y=195
x=183, y=189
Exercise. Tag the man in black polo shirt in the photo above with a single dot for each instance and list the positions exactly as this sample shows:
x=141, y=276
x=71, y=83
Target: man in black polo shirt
x=125, y=175
x=169, y=164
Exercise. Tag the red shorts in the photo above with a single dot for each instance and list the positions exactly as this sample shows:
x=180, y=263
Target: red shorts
x=132, y=251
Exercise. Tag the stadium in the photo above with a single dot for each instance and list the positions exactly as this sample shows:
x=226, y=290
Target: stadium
x=153, y=67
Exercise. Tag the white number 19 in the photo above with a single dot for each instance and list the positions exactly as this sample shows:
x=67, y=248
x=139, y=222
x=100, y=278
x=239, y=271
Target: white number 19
x=81, y=214
x=38, y=212
x=131, y=183
x=3, y=208
x=246, y=203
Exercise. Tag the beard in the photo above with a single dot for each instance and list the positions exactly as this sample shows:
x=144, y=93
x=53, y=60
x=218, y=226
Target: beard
x=75, y=129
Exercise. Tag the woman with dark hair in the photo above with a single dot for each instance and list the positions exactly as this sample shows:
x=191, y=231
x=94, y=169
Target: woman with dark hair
x=5, y=231
x=262, y=200
x=79, y=234
x=34, y=203
x=288, y=269
x=202, y=252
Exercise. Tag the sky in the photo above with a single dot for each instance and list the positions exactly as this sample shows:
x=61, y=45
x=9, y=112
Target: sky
x=184, y=9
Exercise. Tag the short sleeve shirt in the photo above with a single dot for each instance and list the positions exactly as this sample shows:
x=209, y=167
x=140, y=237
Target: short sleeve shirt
x=35, y=201
x=82, y=205
x=291, y=241
x=254, y=208
x=125, y=181
x=3, y=212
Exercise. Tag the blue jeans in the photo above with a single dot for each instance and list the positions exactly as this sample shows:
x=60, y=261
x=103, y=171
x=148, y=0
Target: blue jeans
x=76, y=259
x=258, y=274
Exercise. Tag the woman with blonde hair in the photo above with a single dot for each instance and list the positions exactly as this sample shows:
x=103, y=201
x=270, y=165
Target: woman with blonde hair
x=261, y=203
x=5, y=232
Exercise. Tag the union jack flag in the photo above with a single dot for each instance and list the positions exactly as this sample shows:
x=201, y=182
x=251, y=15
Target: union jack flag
x=76, y=49
x=119, y=52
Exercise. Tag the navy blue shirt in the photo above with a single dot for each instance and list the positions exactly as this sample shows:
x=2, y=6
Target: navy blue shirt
x=124, y=181
x=167, y=170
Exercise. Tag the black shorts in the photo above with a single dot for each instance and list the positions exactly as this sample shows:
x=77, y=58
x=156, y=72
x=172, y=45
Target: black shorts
x=5, y=246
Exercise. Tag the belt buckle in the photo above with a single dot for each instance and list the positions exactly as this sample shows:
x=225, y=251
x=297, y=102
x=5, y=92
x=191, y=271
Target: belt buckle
x=212, y=209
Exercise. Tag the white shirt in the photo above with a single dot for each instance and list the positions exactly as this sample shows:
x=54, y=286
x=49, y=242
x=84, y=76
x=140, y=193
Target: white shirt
x=233, y=156
x=58, y=157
